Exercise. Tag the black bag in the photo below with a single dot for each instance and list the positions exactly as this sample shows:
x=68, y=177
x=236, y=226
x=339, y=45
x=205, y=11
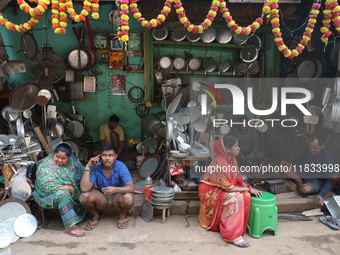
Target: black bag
x=31, y=171
x=336, y=188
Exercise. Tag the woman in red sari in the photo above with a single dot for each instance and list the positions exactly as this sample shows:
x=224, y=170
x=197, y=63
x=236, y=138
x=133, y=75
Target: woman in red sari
x=225, y=197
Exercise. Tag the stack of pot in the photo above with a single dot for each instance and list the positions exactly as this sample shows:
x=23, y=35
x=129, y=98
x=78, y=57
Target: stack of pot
x=162, y=197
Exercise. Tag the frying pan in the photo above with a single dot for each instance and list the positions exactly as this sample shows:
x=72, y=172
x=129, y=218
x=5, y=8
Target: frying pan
x=319, y=61
x=306, y=67
x=239, y=39
x=194, y=64
x=249, y=54
x=254, y=40
x=179, y=63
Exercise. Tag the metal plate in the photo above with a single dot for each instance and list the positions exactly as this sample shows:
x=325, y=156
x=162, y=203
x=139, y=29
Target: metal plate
x=12, y=209
x=21, y=190
x=148, y=166
x=73, y=145
x=6, y=235
x=191, y=37
x=159, y=34
x=254, y=40
x=162, y=206
x=305, y=69
x=60, y=128
x=224, y=35
x=208, y=35
x=151, y=145
x=10, y=222
x=139, y=187
x=249, y=54
x=179, y=34
x=165, y=62
x=240, y=39
x=193, y=112
x=194, y=64
x=25, y=225
x=162, y=200
x=78, y=128
x=13, y=115
x=73, y=58
x=24, y=96
x=162, y=190
x=4, y=141
x=179, y=63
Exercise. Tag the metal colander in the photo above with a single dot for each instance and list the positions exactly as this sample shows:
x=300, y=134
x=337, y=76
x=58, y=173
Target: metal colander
x=23, y=97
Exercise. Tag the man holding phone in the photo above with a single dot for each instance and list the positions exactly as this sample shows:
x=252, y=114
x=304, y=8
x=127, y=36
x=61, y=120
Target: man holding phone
x=106, y=185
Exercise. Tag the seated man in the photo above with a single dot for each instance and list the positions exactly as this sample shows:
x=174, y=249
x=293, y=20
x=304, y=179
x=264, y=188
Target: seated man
x=113, y=188
x=316, y=157
x=111, y=132
x=248, y=140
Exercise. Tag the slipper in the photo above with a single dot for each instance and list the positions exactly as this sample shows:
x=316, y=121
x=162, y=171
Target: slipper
x=92, y=224
x=241, y=243
x=329, y=223
x=333, y=219
x=123, y=223
x=74, y=231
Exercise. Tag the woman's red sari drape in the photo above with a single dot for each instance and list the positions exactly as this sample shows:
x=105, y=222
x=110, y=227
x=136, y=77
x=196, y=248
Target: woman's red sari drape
x=220, y=210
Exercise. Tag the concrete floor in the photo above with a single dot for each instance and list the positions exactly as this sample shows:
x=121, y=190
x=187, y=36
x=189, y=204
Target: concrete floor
x=180, y=234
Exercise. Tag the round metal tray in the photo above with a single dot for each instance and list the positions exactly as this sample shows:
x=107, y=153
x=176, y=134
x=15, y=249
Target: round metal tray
x=162, y=206
x=162, y=190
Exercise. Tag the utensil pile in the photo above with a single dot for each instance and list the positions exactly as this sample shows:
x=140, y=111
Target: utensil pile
x=162, y=197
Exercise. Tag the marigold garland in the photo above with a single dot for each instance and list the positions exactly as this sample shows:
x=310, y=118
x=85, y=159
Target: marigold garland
x=58, y=10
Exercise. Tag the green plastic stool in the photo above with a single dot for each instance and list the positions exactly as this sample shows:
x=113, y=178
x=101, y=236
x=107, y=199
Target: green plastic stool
x=263, y=215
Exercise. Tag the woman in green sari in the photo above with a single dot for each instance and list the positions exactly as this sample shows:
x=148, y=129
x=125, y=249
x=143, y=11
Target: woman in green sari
x=57, y=186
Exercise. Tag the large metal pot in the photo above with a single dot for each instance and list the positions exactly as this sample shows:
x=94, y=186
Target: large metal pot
x=149, y=123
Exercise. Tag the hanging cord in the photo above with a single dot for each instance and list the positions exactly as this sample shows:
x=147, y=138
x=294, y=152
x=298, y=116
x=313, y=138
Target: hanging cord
x=133, y=98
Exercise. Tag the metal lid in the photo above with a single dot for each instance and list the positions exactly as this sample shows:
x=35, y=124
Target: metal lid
x=240, y=39
x=208, y=35
x=193, y=37
x=194, y=64
x=25, y=225
x=159, y=34
x=179, y=63
x=249, y=54
x=224, y=35
x=165, y=62
x=6, y=235
x=179, y=34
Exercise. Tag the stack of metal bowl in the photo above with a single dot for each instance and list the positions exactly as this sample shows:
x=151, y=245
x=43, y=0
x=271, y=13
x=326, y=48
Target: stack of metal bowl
x=162, y=197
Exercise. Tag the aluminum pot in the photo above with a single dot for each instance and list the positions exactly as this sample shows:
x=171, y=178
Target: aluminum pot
x=149, y=123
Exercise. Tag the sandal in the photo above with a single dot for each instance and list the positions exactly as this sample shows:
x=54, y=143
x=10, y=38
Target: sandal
x=241, y=243
x=92, y=224
x=75, y=231
x=123, y=223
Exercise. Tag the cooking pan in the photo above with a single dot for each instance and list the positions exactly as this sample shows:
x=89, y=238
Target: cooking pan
x=209, y=65
x=165, y=62
x=194, y=64
x=224, y=66
x=13, y=115
x=179, y=63
x=29, y=45
x=306, y=67
x=78, y=59
x=239, y=39
x=254, y=40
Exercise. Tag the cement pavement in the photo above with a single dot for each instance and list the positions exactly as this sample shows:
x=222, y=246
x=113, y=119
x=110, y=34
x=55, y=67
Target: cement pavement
x=180, y=234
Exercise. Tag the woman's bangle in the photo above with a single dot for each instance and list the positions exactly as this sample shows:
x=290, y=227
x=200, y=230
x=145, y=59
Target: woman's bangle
x=249, y=188
x=86, y=169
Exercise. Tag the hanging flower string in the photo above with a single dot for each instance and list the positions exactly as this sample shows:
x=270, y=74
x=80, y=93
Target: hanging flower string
x=58, y=10
x=278, y=35
x=331, y=14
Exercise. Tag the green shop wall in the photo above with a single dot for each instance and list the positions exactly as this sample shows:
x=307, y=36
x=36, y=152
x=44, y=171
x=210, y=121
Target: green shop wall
x=98, y=105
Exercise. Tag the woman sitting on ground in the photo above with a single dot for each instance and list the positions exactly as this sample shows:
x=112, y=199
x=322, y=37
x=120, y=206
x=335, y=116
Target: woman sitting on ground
x=57, y=186
x=224, y=196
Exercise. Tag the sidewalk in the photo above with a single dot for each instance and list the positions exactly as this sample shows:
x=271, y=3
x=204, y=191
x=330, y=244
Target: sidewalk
x=180, y=234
